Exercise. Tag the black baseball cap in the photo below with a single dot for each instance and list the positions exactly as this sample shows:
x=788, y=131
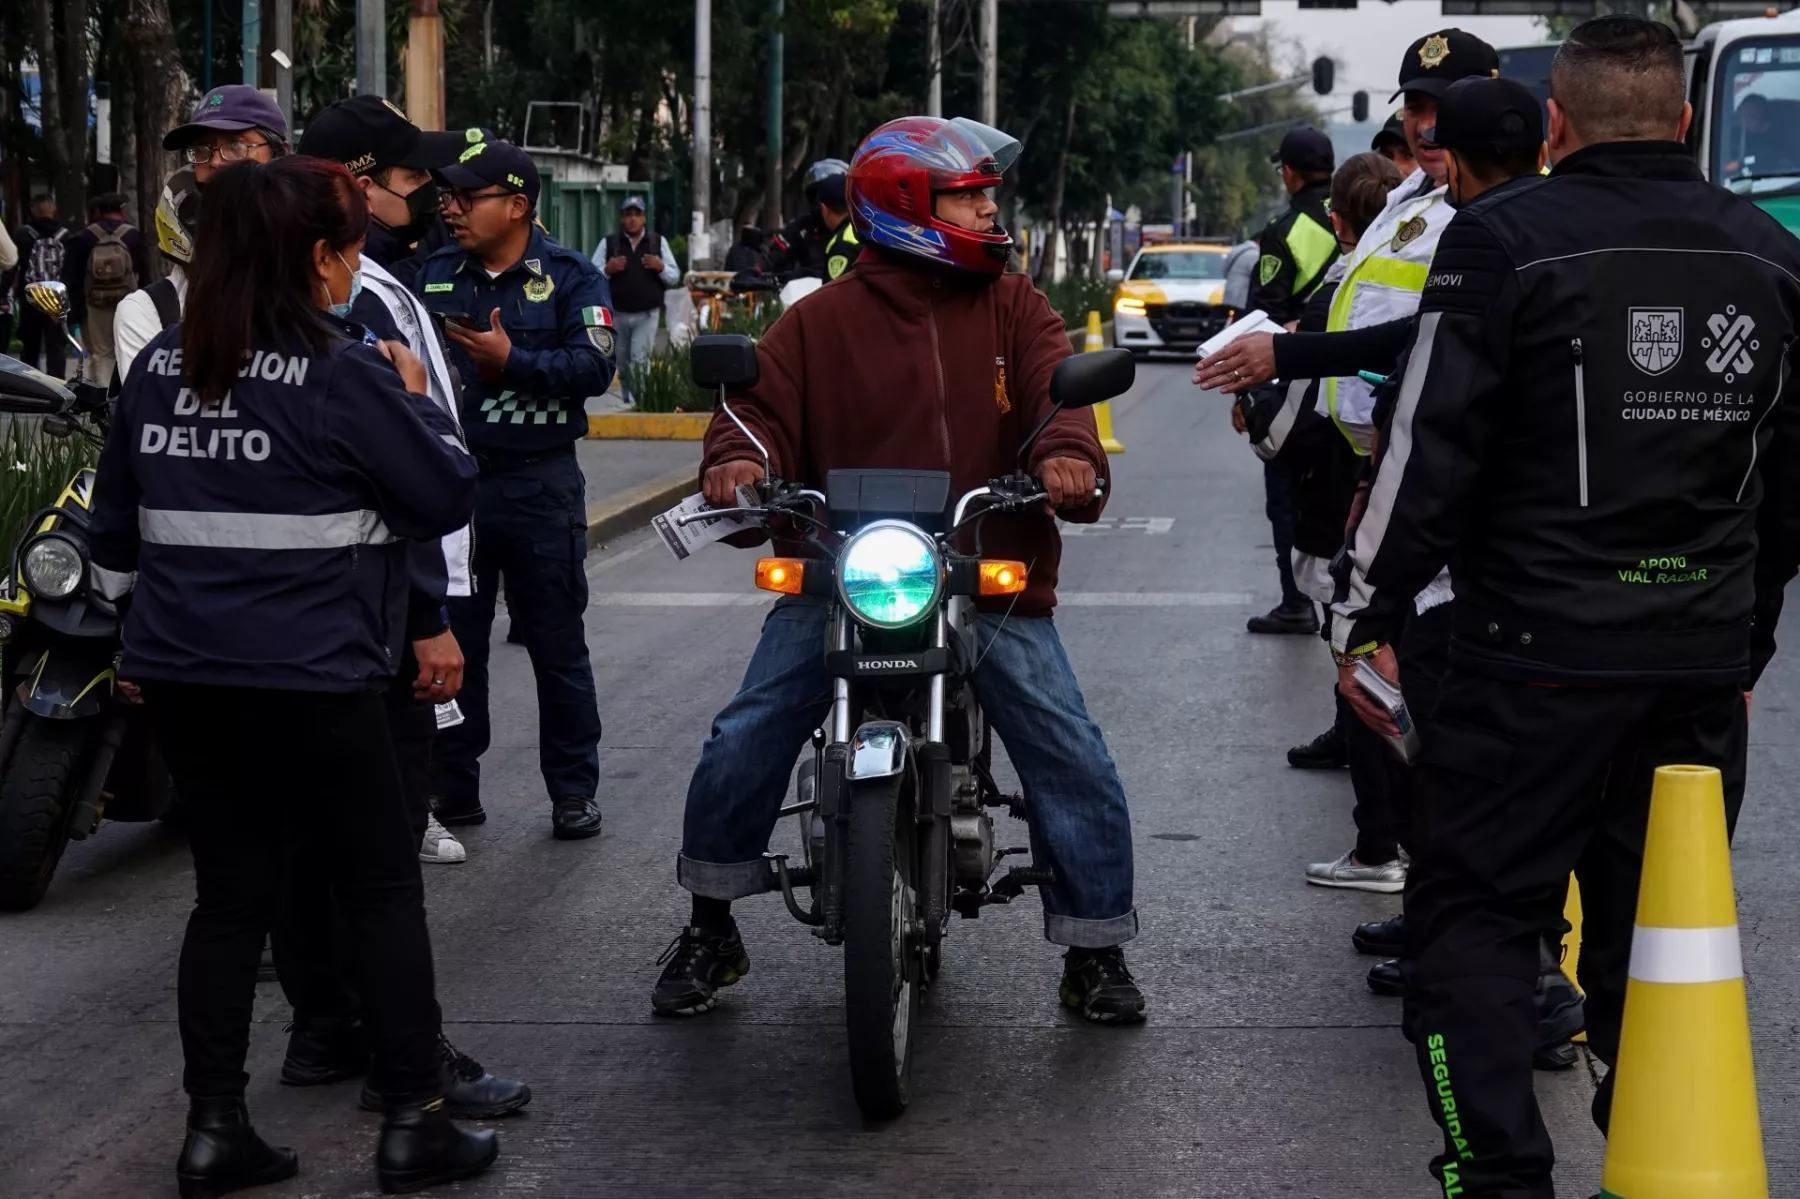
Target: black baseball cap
x=1305, y=149
x=1439, y=59
x=493, y=164
x=1487, y=114
x=369, y=134
x=830, y=191
x=229, y=108
x=1394, y=130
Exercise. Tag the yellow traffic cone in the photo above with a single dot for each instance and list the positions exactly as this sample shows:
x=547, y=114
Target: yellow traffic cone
x=1096, y=340
x=1571, y=963
x=1684, y=1119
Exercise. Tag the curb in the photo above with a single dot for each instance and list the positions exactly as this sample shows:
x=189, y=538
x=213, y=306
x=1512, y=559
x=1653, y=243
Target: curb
x=649, y=426
x=633, y=509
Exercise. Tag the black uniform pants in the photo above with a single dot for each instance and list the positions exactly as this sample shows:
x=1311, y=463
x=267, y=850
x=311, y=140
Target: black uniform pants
x=1381, y=782
x=275, y=781
x=313, y=945
x=1278, y=506
x=1517, y=786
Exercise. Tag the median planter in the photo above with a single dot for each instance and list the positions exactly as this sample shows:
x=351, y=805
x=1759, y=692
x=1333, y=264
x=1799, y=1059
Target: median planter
x=649, y=426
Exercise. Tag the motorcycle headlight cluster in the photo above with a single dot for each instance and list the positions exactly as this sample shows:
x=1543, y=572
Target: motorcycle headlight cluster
x=53, y=567
x=888, y=575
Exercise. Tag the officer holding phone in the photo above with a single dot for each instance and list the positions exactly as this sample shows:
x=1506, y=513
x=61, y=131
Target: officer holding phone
x=529, y=328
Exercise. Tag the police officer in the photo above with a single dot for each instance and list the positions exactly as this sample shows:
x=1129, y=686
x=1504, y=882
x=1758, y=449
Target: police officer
x=1619, y=559
x=1390, y=142
x=530, y=332
x=799, y=248
x=841, y=245
x=1298, y=245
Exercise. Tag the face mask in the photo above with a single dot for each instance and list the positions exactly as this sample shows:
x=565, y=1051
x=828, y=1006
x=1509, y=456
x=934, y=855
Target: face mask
x=342, y=311
x=422, y=208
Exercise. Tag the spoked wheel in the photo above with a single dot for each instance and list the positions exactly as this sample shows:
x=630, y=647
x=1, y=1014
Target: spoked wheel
x=883, y=972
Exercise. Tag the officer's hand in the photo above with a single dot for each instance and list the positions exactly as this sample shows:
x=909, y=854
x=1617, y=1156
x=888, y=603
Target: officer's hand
x=653, y=262
x=440, y=668
x=1239, y=423
x=489, y=350
x=1070, y=482
x=1239, y=366
x=412, y=371
x=723, y=480
x=615, y=264
x=1368, y=710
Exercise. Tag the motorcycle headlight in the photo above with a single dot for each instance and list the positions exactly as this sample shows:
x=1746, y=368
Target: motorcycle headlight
x=888, y=575
x=52, y=568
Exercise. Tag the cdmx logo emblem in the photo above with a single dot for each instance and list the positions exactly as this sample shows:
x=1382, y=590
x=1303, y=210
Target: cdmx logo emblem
x=1730, y=343
x=1655, y=339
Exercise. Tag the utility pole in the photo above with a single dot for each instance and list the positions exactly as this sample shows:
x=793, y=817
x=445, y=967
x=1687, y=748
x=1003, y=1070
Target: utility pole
x=284, y=58
x=990, y=62
x=699, y=239
x=934, y=59
x=252, y=41
x=772, y=192
x=371, y=47
x=425, y=64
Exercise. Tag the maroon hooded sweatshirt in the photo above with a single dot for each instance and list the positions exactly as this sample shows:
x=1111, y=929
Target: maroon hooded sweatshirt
x=900, y=367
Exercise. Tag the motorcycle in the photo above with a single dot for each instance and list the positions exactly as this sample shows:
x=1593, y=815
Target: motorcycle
x=894, y=798
x=73, y=748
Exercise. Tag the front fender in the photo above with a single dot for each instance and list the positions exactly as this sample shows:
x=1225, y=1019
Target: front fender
x=69, y=682
x=878, y=751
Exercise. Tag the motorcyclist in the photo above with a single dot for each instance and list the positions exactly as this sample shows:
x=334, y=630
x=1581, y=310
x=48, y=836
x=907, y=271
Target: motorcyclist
x=799, y=248
x=930, y=358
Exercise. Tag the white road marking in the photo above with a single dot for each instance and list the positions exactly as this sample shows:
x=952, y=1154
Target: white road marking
x=1068, y=599
x=1119, y=524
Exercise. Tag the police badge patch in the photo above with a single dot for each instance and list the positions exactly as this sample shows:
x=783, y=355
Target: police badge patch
x=1655, y=339
x=1267, y=267
x=1408, y=232
x=538, y=290
x=1435, y=50
x=599, y=329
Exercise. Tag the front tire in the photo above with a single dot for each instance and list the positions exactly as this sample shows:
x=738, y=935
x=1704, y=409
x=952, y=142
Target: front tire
x=882, y=971
x=48, y=763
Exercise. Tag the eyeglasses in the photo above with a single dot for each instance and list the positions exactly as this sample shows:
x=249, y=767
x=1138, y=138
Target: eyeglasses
x=231, y=151
x=461, y=201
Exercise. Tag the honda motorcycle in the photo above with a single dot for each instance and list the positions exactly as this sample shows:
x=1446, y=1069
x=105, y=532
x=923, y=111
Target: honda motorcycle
x=73, y=749
x=894, y=798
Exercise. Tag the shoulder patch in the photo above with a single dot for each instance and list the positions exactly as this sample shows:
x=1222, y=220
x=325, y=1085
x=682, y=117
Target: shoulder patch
x=433, y=288
x=1267, y=267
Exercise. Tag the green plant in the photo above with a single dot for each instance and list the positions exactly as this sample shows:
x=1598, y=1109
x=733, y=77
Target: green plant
x=1078, y=295
x=660, y=382
x=34, y=469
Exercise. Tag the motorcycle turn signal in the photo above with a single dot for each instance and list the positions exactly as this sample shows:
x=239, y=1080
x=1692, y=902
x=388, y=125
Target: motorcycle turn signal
x=1002, y=578
x=785, y=575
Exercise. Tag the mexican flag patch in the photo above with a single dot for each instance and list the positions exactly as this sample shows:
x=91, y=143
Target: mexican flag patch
x=597, y=318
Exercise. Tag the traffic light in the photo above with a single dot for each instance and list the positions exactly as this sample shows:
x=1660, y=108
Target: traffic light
x=1324, y=75
x=1359, y=107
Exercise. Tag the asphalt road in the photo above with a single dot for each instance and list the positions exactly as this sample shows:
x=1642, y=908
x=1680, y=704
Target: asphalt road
x=1266, y=1068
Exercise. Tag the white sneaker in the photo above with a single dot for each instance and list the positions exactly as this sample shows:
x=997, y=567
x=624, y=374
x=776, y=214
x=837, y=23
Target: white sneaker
x=440, y=846
x=1386, y=878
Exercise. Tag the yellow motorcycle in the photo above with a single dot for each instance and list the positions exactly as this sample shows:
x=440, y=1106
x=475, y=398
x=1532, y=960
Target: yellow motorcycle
x=73, y=748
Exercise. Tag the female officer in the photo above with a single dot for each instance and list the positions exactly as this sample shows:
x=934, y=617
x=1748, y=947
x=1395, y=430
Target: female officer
x=264, y=466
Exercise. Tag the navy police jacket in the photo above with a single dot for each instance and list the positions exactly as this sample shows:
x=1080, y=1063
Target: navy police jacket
x=262, y=538
x=555, y=307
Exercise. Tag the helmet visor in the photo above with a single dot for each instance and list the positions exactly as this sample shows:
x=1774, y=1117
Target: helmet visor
x=964, y=154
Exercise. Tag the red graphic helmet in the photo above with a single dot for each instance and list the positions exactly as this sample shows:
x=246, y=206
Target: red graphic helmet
x=902, y=165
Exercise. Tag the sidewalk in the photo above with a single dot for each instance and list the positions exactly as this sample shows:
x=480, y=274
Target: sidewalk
x=628, y=482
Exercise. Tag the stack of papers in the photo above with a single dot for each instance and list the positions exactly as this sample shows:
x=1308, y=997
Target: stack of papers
x=1256, y=321
x=1406, y=745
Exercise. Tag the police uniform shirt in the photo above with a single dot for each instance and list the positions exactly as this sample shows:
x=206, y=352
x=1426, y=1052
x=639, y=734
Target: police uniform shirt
x=556, y=308
x=1297, y=247
x=841, y=250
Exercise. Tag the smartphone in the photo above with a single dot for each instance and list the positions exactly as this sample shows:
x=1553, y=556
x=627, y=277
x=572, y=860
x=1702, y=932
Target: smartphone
x=459, y=320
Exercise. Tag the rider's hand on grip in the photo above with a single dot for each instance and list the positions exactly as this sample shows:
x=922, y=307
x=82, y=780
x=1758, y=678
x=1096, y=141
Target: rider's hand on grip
x=723, y=480
x=1068, y=481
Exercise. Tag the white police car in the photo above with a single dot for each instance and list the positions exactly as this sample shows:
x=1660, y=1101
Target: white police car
x=1172, y=298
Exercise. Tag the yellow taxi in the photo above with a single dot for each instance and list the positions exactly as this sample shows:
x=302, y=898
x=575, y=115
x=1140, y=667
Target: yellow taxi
x=1172, y=297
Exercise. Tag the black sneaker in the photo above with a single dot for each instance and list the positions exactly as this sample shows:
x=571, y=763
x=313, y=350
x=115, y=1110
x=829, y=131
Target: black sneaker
x=695, y=965
x=470, y=1092
x=1324, y=752
x=1296, y=618
x=1097, y=983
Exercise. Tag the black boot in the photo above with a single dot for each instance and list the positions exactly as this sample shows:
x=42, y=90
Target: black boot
x=1381, y=938
x=1386, y=978
x=324, y=1051
x=420, y=1148
x=1561, y=1013
x=1291, y=616
x=223, y=1153
x=1327, y=751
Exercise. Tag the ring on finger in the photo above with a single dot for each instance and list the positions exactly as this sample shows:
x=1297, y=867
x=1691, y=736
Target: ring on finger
x=437, y=682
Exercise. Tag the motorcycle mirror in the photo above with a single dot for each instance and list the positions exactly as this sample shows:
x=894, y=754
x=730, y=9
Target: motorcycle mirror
x=25, y=390
x=1081, y=381
x=725, y=360
x=50, y=297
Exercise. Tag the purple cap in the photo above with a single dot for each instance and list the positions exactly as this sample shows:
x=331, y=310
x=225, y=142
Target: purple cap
x=229, y=108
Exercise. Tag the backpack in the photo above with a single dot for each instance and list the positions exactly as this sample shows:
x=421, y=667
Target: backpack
x=45, y=263
x=111, y=274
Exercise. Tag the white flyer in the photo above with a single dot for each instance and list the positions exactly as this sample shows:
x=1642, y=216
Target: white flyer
x=449, y=715
x=1406, y=745
x=1255, y=321
x=683, y=540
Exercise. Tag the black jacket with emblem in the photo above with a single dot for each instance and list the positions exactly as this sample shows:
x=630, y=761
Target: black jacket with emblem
x=1595, y=431
x=555, y=307
x=261, y=538
x=1297, y=248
